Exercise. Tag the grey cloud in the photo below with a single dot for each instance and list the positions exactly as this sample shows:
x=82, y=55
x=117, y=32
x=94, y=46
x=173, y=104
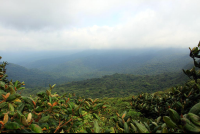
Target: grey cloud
x=30, y=14
x=60, y=25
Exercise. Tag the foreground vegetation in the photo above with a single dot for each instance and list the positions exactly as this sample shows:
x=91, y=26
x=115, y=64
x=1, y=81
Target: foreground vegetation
x=175, y=110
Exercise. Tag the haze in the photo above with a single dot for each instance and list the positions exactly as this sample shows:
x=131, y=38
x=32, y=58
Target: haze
x=74, y=25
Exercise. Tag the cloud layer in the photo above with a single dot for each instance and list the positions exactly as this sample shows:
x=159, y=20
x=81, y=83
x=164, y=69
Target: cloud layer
x=99, y=24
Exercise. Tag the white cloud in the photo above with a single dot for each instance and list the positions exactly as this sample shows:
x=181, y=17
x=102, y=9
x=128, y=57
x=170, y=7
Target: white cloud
x=88, y=24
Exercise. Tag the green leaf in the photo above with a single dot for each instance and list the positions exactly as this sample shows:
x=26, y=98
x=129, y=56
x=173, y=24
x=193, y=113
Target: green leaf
x=12, y=125
x=99, y=105
x=96, y=116
x=4, y=77
x=16, y=82
x=11, y=108
x=17, y=120
x=112, y=130
x=20, y=107
x=2, y=84
x=50, y=100
x=11, y=88
x=44, y=119
x=158, y=119
x=133, y=127
x=56, y=107
x=3, y=104
x=13, y=97
x=19, y=114
x=53, y=85
x=39, y=109
x=195, y=109
x=141, y=128
x=108, y=131
x=169, y=122
x=80, y=111
x=194, y=119
x=96, y=127
x=189, y=126
x=21, y=88
x=23, y=120
x=126, y=129
x=69, y=110
x=61, y=101
x=156, y=109
x=174, y=115
x=36, y=128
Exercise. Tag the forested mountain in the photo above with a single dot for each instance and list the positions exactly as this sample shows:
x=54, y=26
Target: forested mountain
x=91, y=58
x=96, y=63
x=151, y=64
x=117, y=85
x=33, y=77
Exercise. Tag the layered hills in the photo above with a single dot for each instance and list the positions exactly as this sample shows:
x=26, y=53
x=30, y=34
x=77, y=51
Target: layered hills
x=116, y=85
x=98, y=63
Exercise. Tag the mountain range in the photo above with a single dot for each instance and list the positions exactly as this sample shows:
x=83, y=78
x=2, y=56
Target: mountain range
x=88, y=64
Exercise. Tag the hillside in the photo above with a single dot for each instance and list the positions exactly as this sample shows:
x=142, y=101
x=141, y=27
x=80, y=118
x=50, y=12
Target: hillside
x=33, y=77
x=117, y=85
x=97, y=63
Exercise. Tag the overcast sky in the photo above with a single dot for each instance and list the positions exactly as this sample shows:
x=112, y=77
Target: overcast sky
x=98, y=24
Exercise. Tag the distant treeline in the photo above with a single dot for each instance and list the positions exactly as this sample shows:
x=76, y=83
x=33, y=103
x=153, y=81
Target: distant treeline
x=117, y=85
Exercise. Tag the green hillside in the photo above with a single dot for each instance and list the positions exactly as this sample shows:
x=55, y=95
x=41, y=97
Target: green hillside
x=117, y=85
x=97, y=63
x=33, y=77
x=142, y=64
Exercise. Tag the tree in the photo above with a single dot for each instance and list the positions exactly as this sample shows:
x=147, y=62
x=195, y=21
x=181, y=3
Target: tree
x=194, y=53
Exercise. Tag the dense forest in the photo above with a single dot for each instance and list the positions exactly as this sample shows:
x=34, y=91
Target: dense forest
x=117, y=85
x=98, y=63
x=119, y=103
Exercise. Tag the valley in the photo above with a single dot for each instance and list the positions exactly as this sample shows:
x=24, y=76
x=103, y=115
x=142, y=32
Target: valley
x=89, y=64
x=140, y=91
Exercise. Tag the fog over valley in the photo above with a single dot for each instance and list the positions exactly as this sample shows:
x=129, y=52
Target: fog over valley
x=50, y=42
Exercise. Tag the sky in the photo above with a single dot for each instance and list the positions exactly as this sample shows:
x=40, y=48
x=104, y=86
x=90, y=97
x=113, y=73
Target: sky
x=48, y=25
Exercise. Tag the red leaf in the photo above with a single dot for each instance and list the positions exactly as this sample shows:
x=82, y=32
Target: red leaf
x=55, y=103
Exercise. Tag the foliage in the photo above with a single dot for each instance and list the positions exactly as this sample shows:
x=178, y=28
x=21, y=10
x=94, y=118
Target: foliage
x=182, y=105
x=174, y=110
x=45, y=113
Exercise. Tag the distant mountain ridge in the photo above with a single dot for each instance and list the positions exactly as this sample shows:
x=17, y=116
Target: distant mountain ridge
x=97, y=63
x=33, y=77
x=114, y=61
